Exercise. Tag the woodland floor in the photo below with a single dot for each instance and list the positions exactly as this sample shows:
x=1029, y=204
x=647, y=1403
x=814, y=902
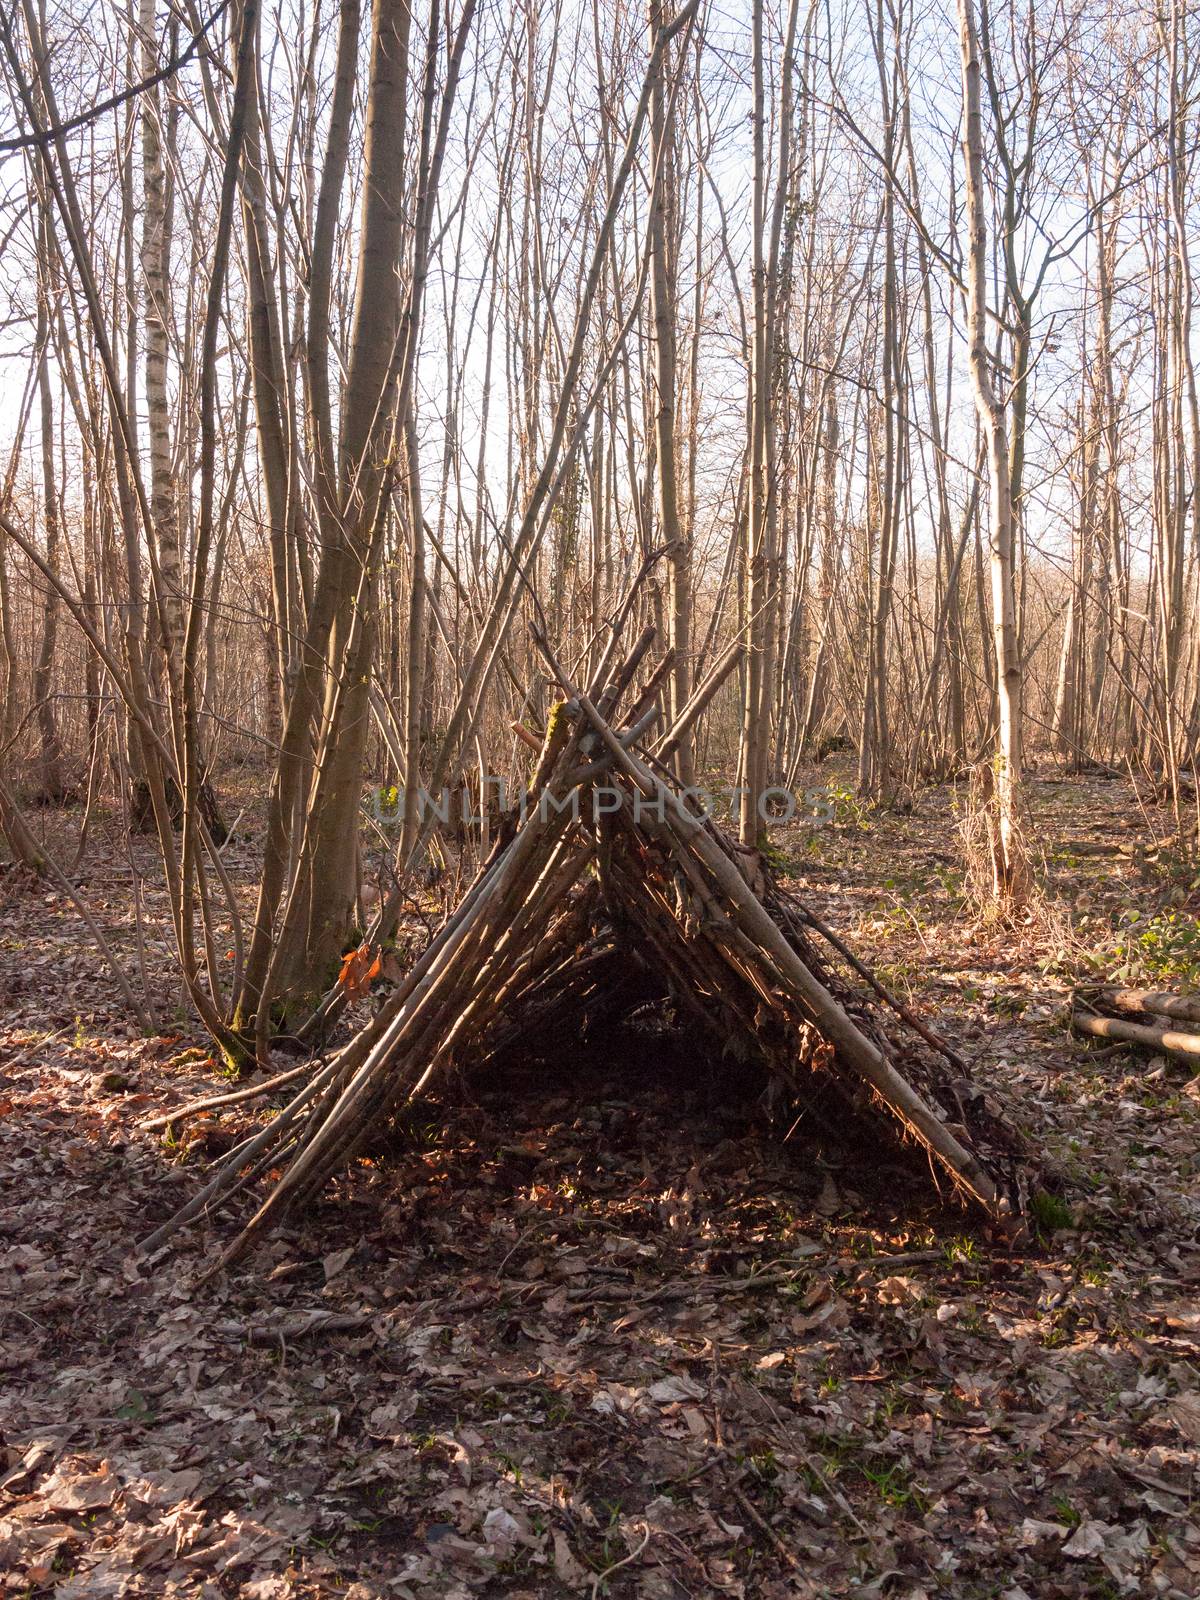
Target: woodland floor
x=602, y=1335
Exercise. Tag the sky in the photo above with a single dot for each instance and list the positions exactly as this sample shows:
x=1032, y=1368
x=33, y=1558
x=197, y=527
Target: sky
x=841, y=87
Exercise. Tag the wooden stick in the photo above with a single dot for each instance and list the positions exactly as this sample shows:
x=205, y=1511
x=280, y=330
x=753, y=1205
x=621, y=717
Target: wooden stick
x=213, y=1102
x=1158, y=1002
x=853, y=1047
x=935, y=1041
x=1184, y=1045
x=699, y=700
x=430, y=1010
x=526, y=738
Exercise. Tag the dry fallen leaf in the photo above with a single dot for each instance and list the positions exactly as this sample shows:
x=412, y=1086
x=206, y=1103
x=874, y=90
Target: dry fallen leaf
x=1087, y=1540
x=515, y=1279
x=72, y=1487
x=334, y=1262
x=667, y=1390
x=567, y=1569
x=1184, y=1412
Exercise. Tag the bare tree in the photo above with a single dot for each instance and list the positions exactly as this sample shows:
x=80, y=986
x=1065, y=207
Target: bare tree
x=1010, y=865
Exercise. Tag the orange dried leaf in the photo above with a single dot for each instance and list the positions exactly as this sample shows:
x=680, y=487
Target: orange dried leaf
x=358, y=970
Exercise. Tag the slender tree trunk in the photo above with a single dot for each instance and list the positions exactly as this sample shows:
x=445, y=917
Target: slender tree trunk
x=155, y=260
x=52, y=784
x=1010, y=867
x=664, y=247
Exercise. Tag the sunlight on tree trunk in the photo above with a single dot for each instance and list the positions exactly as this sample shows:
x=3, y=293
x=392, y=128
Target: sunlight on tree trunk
x=1009, y=859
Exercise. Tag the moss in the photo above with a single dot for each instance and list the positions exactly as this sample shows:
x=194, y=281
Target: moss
x=236, y=1057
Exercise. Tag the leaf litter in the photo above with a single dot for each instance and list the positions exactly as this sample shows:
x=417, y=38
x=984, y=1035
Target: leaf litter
x=611, y=1339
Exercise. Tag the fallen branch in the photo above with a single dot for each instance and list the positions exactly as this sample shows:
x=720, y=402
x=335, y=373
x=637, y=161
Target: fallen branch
x=216, y=1102
x=1158, y=1002
x=309, y=1325
x=1186, y=1046
x=789, y=1557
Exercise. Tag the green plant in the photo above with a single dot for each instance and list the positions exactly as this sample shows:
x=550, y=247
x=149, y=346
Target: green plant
x=849, y=811
x=1050, y=1213
x=765, y=1466
x=892, y=1484
x=1163, y=946
x=1095, y=1271
x=1010, y=1005
x=136, y=1408
x=1065, y=1511
x=784, y=863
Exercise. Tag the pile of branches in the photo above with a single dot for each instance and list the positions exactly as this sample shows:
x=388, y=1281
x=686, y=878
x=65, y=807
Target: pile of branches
x=606, y=892
x=1155, y=1019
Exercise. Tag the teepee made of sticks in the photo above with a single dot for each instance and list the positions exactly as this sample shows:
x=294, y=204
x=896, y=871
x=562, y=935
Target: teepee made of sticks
x=607, y=893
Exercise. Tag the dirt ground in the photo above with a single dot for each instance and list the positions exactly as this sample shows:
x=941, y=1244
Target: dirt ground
x=608, y=1333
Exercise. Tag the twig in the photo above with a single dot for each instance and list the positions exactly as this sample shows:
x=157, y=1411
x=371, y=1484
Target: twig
x=761, y=1523
x=193, y=1108
x=885, y=994
x=624, y=1562
x=307, y=1327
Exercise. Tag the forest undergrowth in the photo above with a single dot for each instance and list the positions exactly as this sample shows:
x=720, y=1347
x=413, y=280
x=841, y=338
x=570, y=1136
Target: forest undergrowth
x=610, y=1331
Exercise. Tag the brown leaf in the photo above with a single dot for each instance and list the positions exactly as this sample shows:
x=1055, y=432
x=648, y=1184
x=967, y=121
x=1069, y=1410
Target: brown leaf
x=71, y=1489
x=1184, y=1412
x=567, y=1569
x=359, y=970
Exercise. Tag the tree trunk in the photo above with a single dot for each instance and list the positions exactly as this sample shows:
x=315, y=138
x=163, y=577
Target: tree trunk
x=663, y=228
x=1009, y=862
x=52, y=787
